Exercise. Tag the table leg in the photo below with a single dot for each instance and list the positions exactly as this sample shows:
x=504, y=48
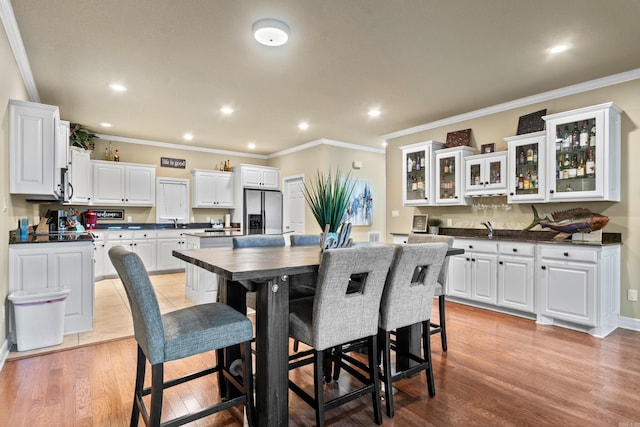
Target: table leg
x=408, y=339
x=234, y=295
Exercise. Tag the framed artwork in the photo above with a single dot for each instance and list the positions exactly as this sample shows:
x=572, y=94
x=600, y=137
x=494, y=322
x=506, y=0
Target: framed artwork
x=532, y=122
x=360, y=207
x=419, y=224
x=488, y=148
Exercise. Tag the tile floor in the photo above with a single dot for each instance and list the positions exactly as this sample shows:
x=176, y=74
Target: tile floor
x=112, y=318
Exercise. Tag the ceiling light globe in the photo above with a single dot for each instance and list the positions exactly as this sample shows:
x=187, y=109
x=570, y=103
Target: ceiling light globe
x=270, y=32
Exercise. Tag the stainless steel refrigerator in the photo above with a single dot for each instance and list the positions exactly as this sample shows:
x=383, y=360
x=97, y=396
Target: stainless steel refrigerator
x=262, y=212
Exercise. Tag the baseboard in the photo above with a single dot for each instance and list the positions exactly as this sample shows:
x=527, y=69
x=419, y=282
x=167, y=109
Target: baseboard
x=4, y=353
x=629, y=323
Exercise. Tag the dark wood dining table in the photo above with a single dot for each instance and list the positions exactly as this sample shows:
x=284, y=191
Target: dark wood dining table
x=269, y=272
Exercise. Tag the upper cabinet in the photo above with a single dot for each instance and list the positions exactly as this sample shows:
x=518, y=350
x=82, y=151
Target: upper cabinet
x=78, y=188
x=418, y=174
x=263, y=177
x=527, y=177
x=37, y=150
x=116, y=183
x=486, y=174
x=584, y=154
x=212, y=189
x=450, y=175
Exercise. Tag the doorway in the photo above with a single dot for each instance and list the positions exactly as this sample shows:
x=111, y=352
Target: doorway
x=294, y=204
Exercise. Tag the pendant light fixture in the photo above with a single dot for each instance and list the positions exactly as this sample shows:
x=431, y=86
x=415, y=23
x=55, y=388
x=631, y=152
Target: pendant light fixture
x=270, y=32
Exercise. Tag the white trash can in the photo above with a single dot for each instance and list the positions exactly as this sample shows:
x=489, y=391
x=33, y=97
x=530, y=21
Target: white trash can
x=39, y=317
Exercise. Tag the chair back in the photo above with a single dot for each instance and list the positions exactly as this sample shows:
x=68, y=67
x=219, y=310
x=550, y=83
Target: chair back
x=340, y=316
x=147, y=319
x=258, y=240
x=305, y=240
x=434, y=238
x=408, y=293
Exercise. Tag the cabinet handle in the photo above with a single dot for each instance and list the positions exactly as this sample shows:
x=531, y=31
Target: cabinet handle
x=511, y=194
x=473, y=260
x=468, y=259
x=543, y=267
x=566, y=254
x=500, y=262
x=515, y=249
x=470, y=246
x=551, y=191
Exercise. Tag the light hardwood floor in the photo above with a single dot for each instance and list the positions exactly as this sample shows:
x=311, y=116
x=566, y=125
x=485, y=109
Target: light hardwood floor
x=499, y=371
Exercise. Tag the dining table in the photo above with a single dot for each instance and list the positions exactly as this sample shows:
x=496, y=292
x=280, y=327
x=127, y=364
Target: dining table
x=270, y=271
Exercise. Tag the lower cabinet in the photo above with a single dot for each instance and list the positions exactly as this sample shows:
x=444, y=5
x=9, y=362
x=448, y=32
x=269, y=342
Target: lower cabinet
x=201, y=286
x=473, y=274
x=67, y=265
x=516, y=276
x=168, y=241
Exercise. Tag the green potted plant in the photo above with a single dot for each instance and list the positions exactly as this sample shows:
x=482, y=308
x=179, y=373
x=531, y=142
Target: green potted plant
x=434, y=225
x=80, y=137
x=328, y=197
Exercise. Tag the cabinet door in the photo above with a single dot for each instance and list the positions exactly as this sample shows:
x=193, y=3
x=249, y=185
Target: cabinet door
x=526, y=161
x=140, y=184
x=483, y=278
x=459, y=277
x=224, y=190
x=79, y=176
x=108, y=183
x=515, y=283
x=204, y=189
x=270, y=179
x=416, y=179
x=32, y=141
x=567, y=291
x=166, y=260
x=448, y=179
x=146, y=250
x=99, y=258
x=251, y=177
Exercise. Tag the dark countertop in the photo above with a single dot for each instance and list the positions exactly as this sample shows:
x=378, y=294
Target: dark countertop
x=523, y=236
x=151, y=226
x=69, y=236
x=217, y=233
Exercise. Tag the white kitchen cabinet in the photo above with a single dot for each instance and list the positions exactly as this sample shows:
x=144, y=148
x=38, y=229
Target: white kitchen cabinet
x=79, y=188
x=142, y=242
x=36, y=150
x=123, y=184
x=473, y=275
x=211, y=189
x=99, y=255
x=450, y=175
x=526, y=164
x=579, y=287
x=584, y=154
x=516, y=276
x=168, y=241
x=486, y=174
x=263, y=177
x=67, y=265
x=202, y=285
x=418, y=173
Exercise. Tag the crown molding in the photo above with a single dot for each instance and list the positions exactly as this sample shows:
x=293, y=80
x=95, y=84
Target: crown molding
x=522, y=102
x=324, y=141
x=15, y=41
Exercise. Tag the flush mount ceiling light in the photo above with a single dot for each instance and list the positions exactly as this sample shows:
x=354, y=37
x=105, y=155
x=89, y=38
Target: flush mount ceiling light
x=105, y=125
x=559, y=48
x=117, y=87
x=227, y=111
x=303, y=125
x=270, y=32
x=187, y=136
x=374, y=112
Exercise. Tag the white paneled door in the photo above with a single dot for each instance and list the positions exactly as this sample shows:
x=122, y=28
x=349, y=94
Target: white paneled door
x=294, y=203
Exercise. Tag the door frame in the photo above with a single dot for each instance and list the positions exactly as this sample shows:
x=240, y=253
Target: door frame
x=286, y=206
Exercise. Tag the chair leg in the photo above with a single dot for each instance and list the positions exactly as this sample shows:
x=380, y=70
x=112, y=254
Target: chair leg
x=247, y=382
x=373, y=377
x=157, y=387
x=137, y=392
x=222, y=382
x=443, y=328
x=386, y=361
x=426, y=348
x=296, y=345
x=318, y=373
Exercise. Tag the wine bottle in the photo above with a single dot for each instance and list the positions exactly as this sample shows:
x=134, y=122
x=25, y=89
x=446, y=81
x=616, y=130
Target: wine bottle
x=592, y=135
x=575, y=136
x=409, y=164
x=581, y=167
x=584, y=135
x=566, y=139
x=418, y=161
x=590, y=165
x=414, y=183
x=529, y=154
x=422, y=162
x=535, y=155
x=446, y=166
x=522, y=157
x=452, y=166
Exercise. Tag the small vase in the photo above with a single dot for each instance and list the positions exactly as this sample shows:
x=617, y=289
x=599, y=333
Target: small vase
x=434, y=229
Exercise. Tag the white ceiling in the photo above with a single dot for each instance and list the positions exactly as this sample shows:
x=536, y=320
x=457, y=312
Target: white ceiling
x=417, y=60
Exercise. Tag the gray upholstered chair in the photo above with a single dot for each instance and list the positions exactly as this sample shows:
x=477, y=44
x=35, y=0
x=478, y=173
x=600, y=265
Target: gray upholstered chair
x=178, y=334
x=441, y=326
x=305, y=239
x=408, y=300
x=258, y=240
x=334, y=317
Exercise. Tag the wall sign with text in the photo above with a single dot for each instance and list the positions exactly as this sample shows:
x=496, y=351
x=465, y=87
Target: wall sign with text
x=169, y=162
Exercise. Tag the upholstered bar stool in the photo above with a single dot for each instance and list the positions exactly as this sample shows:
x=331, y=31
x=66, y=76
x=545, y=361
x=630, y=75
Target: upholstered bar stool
x=334, y=317
x=440, y=327
x=178, y=334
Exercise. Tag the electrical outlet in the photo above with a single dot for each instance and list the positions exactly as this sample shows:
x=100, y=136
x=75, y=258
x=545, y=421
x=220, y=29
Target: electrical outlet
x=395, y=213
x=449, y=222
x=632, y=295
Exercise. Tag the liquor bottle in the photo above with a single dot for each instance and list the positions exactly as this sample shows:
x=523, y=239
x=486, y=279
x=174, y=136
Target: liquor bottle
x=592, y=135
x=420, y=183
x=522, y=157
x=521, y=183
x=535, y=155
x=590, y=165
x=452, y=166
x=409, y=164
x=566, y=139
x=573, y=166
x=414, y=183
x=418, y=161
x=575, y=136
x=559, y=167
x=529, y=154
x=534, y=178
x=584, y=135
x=446, y=166
x=581, y=168
x=106, y=153
x=422, y=162
x=116, y=156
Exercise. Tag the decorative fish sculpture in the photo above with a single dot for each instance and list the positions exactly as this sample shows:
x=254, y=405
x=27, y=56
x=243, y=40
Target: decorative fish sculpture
x=578, y=220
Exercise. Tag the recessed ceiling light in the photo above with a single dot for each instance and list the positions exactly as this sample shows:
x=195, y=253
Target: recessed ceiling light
x=251, y=146
x=117, y=87
x=227, y=111
x=559, y=48
x=303, y=126
x=187, y=136
x=374, y=112
x=385, y=143
x=105, y=125
x=270, y=32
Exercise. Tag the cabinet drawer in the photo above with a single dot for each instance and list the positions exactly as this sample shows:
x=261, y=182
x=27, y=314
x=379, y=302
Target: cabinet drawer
x=120, y=235
x=144, y=234
x=476, y=245
x=568, y=253
x=173, y=233
x=516, y=248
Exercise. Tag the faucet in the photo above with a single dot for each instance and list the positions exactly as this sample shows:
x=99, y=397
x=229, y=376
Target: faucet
x=175, y=222
x=489, y=227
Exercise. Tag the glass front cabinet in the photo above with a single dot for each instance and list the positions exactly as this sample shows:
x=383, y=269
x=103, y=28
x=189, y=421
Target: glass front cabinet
x=418, y=174
x=450, y=172
x=486, y=174
x=526, y=154
x=584, y=154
